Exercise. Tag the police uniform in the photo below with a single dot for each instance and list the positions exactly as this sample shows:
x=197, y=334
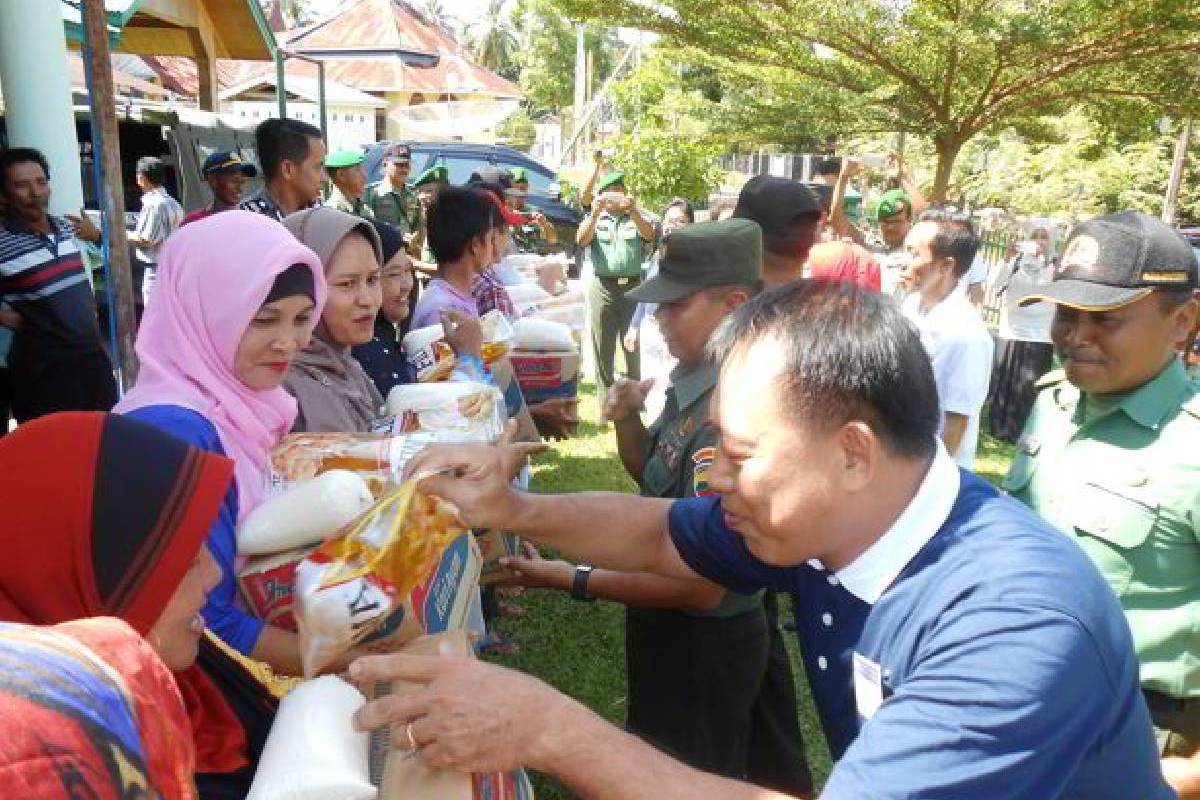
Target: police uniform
x=1121, y=474
x=617, y=252
x=695, y=678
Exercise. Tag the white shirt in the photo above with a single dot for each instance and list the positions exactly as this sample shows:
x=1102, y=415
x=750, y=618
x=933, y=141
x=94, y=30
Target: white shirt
x=978, y=273
x=868, y=576
x=1026, y=323
x=960, y=349
x=159, y=218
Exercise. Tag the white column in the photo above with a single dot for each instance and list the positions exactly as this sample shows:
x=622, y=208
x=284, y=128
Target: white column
x=37, y=93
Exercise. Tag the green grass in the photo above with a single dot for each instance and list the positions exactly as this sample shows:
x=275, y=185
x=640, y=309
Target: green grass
x=579, y=648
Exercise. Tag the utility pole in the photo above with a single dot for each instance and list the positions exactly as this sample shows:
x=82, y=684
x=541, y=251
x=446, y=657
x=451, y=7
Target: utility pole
x=107, y=146
x=580, y=84
x=1171, y=200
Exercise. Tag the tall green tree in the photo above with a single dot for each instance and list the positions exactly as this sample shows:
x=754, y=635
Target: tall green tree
x=494, y=40
x=946, y=69
x=436, y=13
x=546, y=58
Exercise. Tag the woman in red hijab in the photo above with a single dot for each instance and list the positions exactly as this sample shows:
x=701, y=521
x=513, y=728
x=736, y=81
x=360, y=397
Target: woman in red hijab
x=108, y=516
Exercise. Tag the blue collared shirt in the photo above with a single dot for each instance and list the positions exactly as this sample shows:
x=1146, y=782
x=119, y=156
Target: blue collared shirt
x=973, y=652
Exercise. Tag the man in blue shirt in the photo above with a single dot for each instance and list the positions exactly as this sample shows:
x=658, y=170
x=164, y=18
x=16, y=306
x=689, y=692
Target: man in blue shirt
x=957, y=646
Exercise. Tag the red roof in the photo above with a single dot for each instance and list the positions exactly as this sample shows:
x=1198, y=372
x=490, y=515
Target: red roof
x=375, y=24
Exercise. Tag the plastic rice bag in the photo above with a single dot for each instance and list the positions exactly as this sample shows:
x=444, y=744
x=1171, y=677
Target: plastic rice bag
x=304, y=514
x=351, y=591
x=470, y=410
x=543, y=335
x=431, y=357
x=313, y=751
x=378, y=458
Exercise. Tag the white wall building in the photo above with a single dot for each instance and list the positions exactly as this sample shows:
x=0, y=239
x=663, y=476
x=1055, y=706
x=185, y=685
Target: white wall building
x=350, y=113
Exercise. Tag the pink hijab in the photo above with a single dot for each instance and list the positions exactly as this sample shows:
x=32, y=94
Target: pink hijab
x=213, y=276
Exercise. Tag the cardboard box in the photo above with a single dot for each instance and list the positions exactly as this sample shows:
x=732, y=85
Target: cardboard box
x=439, y=603
x=544, y=376
x=268, y=584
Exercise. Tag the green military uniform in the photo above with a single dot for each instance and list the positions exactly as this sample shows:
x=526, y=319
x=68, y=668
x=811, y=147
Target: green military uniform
x=617, y=252
x=399, y=206
x=339, y=201
x=705, y=685
x=1121, y=473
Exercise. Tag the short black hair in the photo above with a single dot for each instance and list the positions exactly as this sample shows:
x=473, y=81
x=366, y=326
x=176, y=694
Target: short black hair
x=689, y=213
x=21, y=155
x=153, y=168
x=458, y=216
x=955, y=240
x=279, y=140
x=1171, y=299
x=849, y=353
x=830, y=165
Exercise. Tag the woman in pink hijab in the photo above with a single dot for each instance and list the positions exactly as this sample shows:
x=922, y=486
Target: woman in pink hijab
x=236, y=300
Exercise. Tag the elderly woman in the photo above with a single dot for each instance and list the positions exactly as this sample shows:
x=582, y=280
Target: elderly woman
x=106, y=515
x=333, y=392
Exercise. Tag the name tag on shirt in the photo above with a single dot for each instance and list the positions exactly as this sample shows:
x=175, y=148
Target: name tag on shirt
x=868, y=685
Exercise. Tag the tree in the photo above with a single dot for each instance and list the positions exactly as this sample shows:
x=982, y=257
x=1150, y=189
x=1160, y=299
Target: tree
x=660, y=166
x=546, y=58
x=946, y=69
x=494, y=41
x=436, y=13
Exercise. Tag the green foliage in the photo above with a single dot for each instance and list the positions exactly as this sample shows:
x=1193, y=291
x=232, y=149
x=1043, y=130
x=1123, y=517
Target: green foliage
x=945, y=71
x=660, y=166
x=518, y=131
x=494, y=41
x=545, y=60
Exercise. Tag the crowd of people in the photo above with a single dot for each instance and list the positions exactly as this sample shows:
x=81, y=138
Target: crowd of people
x=824, y=389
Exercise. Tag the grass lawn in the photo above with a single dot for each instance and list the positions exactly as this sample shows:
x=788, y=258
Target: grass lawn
x=579, y=647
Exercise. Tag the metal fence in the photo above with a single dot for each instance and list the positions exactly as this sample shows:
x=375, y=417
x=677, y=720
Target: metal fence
x=995, y=247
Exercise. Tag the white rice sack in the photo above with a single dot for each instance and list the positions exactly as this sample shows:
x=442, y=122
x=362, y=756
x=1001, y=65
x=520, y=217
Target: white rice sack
x=543, y=335
x=474, y=410
x=304, y=515
x=528, y=294
x=313, y=751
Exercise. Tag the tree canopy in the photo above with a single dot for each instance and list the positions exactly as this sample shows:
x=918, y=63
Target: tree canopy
x=945, y=69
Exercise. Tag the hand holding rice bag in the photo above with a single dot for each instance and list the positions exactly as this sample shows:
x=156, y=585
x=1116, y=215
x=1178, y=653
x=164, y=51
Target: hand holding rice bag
x=431, y=357
x=473, y=411
x=378, y=458
x=304, y=514
x=351, y=590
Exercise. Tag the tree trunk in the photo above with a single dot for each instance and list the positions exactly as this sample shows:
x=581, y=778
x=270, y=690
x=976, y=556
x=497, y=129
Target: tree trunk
x=948, y=148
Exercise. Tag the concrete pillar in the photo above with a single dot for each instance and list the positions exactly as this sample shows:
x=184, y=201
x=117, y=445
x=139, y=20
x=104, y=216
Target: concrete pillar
x=37, y=93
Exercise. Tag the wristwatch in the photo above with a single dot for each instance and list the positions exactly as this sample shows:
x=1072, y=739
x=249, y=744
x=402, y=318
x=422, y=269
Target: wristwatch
x=579, y=582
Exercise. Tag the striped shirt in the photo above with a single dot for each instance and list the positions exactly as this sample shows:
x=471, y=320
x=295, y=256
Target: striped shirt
x=42, y=277
x=159, y=217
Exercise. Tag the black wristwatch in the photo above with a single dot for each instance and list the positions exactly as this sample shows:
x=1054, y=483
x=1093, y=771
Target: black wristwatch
x=579, y=582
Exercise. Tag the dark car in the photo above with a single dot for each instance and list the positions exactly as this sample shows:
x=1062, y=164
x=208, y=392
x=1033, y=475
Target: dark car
x=1192, y=234
x=462, y=159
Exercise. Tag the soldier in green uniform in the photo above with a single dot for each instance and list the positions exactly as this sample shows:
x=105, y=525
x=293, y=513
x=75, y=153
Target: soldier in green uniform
x=348, y=183
x=427, y=185
x=697, y=656
x=536, y=233
x=1111, y=452
x=395, y=202
x=618, y=235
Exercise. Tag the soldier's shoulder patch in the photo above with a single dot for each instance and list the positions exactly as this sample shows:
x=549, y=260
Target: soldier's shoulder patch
x=702, y=461
x=1051, y=378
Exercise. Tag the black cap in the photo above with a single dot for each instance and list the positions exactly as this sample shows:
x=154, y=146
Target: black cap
x=704, y=256
x=492, y=174
x=398, y=152
x=775, y=204
x=1114, y=260
x=226, y=161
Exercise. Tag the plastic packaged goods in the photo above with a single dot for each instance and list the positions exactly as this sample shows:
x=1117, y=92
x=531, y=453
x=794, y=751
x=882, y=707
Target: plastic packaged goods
x=313, y=751
x=466, y=410
x=304, y=514
x=494, y=545
x=542, y=335
x=432, y=358
x=353, y=590
x=527, y=295
x=377, y=458
x=402, y=775
x=268, y=586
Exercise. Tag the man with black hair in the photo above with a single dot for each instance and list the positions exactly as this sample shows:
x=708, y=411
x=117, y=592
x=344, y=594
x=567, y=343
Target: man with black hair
x=292, y=156
x=1109, y=453
x=956, y=644
x=392, y=200
x=56, y=362
x=789, y=214
x=226, y=174
x=459, y=226
x=959, y=345
x=159, y=217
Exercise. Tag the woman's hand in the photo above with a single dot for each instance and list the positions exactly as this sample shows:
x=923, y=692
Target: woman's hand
x=463, y=333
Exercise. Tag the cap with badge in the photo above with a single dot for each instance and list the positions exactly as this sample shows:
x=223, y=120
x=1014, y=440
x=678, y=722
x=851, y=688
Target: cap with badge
x=610, y=180
x=893, y=202
x=344, y=158
x=438, y=174
x=398, y=152
x=227, y=161
x=776, y=204
x=1117, y=259
x=704, y=256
